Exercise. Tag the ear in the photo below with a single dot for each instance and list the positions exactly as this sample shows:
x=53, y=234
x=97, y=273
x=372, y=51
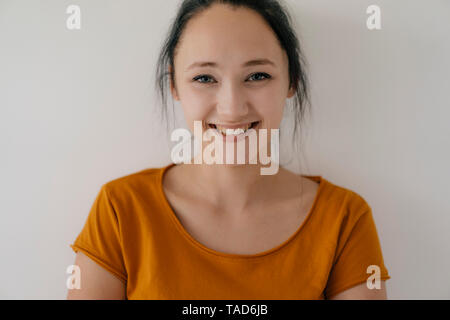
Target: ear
x=172, y=88
x=291, y=92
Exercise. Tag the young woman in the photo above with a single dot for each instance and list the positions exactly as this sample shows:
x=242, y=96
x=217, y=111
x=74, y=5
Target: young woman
x=225, y=231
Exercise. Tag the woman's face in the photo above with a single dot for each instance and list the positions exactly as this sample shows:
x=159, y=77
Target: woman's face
x=230, y=91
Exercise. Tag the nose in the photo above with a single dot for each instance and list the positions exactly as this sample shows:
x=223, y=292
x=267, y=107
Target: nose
x=232, y=103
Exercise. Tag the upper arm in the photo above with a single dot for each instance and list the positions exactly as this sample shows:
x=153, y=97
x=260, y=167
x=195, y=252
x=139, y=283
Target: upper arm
x=361, y=292
x=99, y=253
x=96, y=282
x=358, y=253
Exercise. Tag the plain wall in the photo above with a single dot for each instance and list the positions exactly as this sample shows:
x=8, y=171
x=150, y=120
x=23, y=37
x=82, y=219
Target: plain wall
x=77, y=109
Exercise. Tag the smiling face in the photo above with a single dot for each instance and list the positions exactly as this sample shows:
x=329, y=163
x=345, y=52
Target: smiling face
x=246, y=77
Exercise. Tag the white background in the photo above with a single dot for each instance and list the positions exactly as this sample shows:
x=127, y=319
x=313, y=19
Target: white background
x=77, y=109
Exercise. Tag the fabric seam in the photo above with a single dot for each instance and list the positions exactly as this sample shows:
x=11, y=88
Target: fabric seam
x=97, y=258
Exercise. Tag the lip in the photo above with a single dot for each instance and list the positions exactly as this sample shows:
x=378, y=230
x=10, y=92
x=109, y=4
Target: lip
x=231, y=138
x=231, y=126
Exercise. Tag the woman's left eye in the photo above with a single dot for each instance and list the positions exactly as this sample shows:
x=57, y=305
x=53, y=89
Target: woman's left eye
x=261, y=74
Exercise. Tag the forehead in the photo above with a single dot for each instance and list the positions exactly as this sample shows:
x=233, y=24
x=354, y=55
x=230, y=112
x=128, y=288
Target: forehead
x=222, y=33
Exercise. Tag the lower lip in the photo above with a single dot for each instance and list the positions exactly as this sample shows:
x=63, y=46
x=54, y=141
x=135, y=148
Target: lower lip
x=239, y=137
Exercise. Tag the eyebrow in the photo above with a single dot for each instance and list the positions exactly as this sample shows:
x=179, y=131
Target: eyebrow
x=256, y=62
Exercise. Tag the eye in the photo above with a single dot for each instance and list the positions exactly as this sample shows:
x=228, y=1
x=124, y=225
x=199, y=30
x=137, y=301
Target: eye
x=261, y=74
x=206, y=77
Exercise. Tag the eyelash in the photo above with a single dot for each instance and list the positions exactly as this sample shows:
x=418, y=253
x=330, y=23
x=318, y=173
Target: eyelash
x=267, y=76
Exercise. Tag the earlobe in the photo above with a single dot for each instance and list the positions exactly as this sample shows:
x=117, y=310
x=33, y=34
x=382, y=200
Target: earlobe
x=291, y=92
x=174, y=92
x=172, y=88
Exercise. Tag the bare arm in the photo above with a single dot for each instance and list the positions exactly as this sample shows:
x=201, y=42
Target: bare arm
x=97, y=283
x=361, y=292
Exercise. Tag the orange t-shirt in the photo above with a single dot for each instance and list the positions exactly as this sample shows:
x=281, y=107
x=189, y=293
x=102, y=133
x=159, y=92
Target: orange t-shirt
x=132, y=232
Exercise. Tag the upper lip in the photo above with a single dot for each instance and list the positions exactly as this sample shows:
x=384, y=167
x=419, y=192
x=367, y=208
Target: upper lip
x=232, y=126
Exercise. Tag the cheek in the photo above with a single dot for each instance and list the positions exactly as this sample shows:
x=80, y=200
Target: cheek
x=195, y=107
x=269, y=104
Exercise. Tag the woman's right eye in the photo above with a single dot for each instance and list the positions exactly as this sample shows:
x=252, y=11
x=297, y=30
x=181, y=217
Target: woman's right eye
x=202, y=77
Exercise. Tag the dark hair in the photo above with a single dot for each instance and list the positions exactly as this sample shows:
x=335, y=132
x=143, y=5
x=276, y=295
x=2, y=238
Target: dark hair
x=279, y=20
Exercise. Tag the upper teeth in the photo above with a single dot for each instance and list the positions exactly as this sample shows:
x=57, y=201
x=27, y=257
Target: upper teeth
x=228, y=131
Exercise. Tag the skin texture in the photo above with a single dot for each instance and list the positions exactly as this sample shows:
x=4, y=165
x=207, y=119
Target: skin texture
x=96, y=282
x=234, y=197
x=361, y=292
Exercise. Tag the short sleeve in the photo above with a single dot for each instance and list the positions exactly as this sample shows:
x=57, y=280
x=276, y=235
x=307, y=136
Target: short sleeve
x=100, y=238
x=358, y=248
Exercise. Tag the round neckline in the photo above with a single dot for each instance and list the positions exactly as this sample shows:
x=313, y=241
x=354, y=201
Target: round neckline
x=265, y=253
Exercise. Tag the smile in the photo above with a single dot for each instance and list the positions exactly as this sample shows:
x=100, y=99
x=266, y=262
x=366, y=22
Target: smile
x=234, y=130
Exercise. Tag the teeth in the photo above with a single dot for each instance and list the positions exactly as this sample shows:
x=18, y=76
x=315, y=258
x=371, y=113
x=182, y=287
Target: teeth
x=228, y=131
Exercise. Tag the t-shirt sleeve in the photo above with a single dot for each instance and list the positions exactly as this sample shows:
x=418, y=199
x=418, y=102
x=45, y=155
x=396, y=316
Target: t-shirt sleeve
x=358, y=248
x=100, y=238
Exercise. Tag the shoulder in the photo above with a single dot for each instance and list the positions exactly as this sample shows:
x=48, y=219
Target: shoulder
x=342, y=204
x=352, y=198
x=143, y=182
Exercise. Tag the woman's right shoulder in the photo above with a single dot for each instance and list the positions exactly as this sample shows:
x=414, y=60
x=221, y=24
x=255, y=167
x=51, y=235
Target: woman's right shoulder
x=139, y=182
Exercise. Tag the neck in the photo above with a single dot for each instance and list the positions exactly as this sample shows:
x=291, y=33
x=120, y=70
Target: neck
x=231, y=187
